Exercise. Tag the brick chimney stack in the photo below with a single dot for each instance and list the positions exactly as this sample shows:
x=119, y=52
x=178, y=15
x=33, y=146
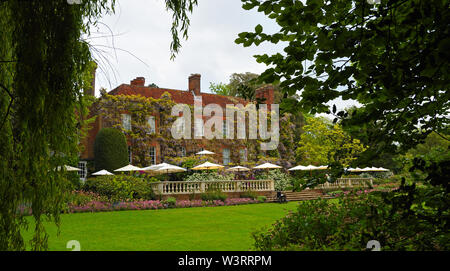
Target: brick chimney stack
x=139, y=81
x=194, y=83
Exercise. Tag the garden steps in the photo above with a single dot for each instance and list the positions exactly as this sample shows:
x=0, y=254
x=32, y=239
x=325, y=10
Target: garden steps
x=298, y=196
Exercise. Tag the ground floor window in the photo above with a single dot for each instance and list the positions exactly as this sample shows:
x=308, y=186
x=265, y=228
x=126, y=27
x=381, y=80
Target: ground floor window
x=152, y=153
x=82, y=165
x=130, y=155
x=226, y=156
x=243, y=155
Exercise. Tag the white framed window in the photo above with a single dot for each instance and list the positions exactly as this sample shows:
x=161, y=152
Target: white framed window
x=151, y=124
x=130, y=155
x=243, y=155
x=198, y=129
x=226, y=156
x=82, y=165
x=152, y=153
x=224, y=129
x=180, y=128
x=126, y=122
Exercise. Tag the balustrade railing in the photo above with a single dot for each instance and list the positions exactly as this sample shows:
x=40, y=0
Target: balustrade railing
x=186, y=187
x=348, y=182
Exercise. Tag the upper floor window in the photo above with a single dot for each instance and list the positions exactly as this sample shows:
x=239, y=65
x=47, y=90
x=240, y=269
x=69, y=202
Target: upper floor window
x=224, y=129
x=126, y=122
x=226, y=156
x=198, y=129
x=151, y=124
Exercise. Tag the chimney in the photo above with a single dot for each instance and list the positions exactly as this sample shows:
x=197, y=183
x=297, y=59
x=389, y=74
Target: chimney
x=194, y=84
x=266, y=94
x=139, y=81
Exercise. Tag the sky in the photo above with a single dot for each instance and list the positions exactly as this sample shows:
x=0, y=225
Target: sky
x=142, y=40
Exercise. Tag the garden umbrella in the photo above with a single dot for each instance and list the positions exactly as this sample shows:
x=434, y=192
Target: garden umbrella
x=169, y=169
x=68, y=168
x=299, y=167
x=238, y=169
x=267, y=166
x=102, y=172
x=128, y=168
x=207, y=165
x=310, y=168
x=155, y=167
x=205, y=152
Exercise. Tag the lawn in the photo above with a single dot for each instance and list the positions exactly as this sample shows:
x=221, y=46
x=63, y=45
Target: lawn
x=203, y=228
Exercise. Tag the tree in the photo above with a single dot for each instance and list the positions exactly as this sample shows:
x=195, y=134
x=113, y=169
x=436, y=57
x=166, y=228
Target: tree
x=391, y=57
x=323, y=143
x=41, y=81
x=110, y=149
x=220, y=89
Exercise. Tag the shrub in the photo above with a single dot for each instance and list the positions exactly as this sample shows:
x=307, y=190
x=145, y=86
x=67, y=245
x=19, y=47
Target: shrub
x=208, y=176
x=249, y=194
x=120, y=187
x=261, y=199
x=213, y=194
x=281, y=179
x=171, y=201
x=110, y=149
x=350, y=224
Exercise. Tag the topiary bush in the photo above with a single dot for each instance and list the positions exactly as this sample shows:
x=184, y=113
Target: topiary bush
x=110, y=149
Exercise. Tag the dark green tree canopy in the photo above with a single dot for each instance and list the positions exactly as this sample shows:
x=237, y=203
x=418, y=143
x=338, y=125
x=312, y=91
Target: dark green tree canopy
x=110, y=149
x=391, y=57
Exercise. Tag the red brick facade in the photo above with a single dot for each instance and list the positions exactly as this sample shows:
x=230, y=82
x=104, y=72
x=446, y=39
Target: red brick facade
x=137, y=87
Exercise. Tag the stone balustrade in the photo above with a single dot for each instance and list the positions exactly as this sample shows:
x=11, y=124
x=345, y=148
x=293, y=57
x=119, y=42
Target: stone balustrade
x=348, y=182
x=186, y=187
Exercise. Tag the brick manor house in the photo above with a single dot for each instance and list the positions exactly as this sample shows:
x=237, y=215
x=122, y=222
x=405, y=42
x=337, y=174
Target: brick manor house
x=137, y=87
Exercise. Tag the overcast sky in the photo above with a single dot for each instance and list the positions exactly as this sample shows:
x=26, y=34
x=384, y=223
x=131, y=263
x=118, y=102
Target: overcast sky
x=142, y=27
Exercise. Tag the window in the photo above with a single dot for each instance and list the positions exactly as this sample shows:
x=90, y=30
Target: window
x=198, y=129
x=126, y=122
x=183, y=151
x=152, y=153
x=83, y=172
x=226, y=156
x=243, y=155
x=151, y=124
x=180, y=128
x=224, y=129
x=130, y=155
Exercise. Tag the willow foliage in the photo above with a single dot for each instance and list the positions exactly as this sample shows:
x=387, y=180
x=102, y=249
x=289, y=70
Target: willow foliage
x=42, y=65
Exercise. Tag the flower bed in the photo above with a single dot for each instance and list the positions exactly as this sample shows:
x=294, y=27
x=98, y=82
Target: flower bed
x=339, y=193
x=96, y=206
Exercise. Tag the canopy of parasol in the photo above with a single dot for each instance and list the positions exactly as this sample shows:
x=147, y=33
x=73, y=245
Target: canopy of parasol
x=204, y=152
x=238, y=169
x=102, y=172
x=267, y=166
x=169, y=169
x=155, y=167
x=128, y=168
x=207, y=165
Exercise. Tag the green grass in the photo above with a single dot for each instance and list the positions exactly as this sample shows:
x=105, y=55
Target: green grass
x=202, y=228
